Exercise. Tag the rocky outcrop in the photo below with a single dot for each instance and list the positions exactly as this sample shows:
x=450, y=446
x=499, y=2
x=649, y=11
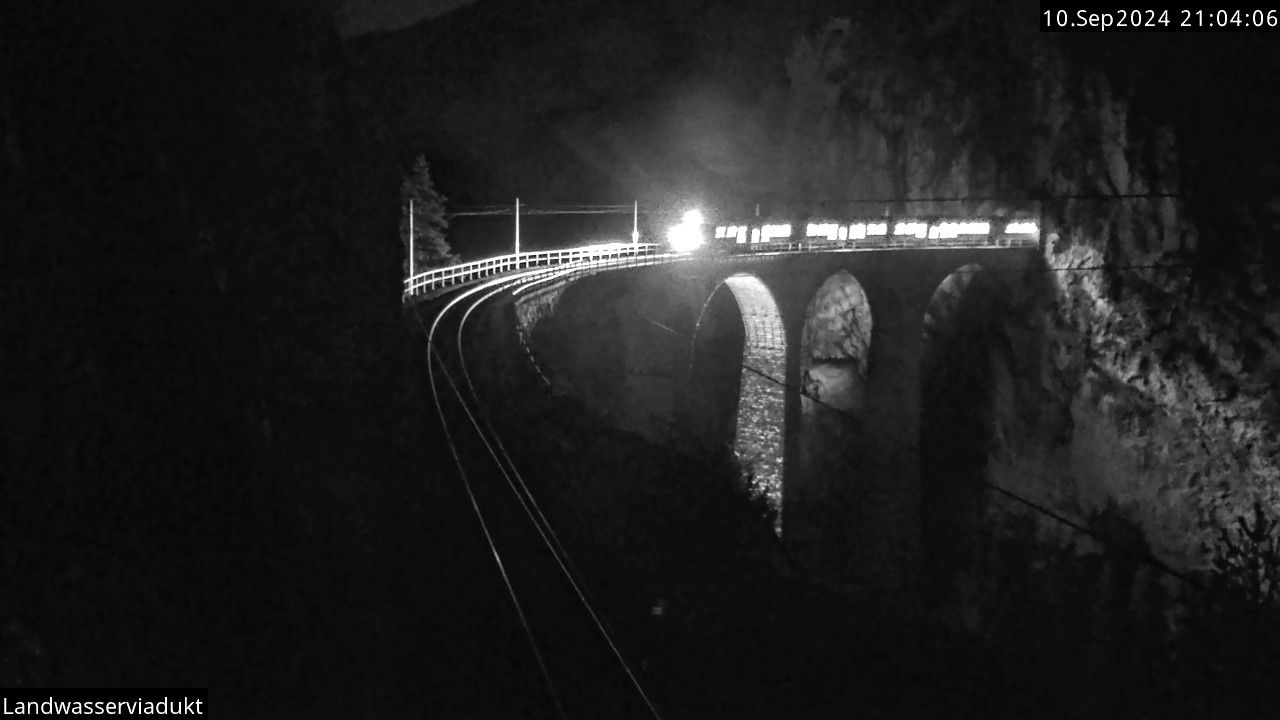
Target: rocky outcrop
x=1147, y=409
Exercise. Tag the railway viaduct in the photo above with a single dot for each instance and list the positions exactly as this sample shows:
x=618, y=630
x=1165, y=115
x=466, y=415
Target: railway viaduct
x=810, y=368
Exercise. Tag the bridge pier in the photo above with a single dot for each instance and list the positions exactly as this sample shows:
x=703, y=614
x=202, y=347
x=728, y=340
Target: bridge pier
x=801, y=496
x=887, y=535
x=852, y=488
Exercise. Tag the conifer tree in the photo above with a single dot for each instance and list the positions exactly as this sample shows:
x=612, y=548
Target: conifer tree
x=430, y=249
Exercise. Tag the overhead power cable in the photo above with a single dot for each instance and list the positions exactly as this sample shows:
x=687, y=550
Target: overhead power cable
x=998, y=198
x=528, y=211
x=1144, y=556
x=1011, y=271
x=1080, y=527
x=1012, y=199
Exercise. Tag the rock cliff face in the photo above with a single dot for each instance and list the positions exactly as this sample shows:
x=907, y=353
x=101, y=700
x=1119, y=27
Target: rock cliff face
x=1148, y=410
x=1132, y=392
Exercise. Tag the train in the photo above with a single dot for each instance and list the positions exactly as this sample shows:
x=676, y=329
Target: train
x=758, y=234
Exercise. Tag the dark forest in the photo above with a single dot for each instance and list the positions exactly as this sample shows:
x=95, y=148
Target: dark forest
x=219, y=464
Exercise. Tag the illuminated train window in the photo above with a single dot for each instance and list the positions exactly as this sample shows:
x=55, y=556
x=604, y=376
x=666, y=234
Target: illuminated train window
x=826, y=230
x=899, y=232
x=918, y=229
x=775, y=231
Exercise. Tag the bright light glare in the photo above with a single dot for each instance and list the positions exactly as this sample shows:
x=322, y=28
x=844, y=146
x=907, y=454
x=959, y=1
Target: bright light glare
x=1021, y=228
x=685, y=237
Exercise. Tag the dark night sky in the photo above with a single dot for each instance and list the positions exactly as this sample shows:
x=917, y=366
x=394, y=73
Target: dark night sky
x=363, y=16
x=218, y=462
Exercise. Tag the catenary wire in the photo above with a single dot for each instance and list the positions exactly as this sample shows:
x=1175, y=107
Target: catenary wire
x=1144, y=556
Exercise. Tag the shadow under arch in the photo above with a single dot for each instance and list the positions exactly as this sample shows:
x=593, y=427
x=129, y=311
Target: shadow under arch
x=737, y=369
x=835, y=346
x=964, y=342
x=830, y=494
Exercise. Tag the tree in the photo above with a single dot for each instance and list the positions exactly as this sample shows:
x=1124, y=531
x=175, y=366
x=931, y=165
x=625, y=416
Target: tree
x=430, y=249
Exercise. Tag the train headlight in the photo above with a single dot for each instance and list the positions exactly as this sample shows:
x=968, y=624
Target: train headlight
x=687, y=236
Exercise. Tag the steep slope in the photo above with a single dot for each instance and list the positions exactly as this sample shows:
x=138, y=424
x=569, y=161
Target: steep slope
x=1143, y=157
x=582, y=101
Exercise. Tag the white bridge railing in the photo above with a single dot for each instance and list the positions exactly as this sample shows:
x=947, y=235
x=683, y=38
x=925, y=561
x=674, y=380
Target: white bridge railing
x=444, y=277
x=730, y=240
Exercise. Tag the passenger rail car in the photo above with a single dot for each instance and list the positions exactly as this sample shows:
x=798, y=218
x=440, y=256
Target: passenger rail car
x=762, y=235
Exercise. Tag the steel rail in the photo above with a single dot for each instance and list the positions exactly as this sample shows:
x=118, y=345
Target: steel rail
x=434, y=280
x=432, y=358
x=510, y=473
x=514, y=478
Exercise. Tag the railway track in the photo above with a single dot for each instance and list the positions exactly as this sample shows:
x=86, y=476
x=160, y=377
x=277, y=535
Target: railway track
x=570, y=650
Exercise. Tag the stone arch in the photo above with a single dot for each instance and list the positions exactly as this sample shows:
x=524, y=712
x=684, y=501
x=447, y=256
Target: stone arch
x=737, y=371
x=947, y=296
x=964, y=345
x=830, y=491
x=835, y=346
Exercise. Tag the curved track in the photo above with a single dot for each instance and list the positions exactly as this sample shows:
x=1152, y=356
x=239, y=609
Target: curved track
x=579, y=662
